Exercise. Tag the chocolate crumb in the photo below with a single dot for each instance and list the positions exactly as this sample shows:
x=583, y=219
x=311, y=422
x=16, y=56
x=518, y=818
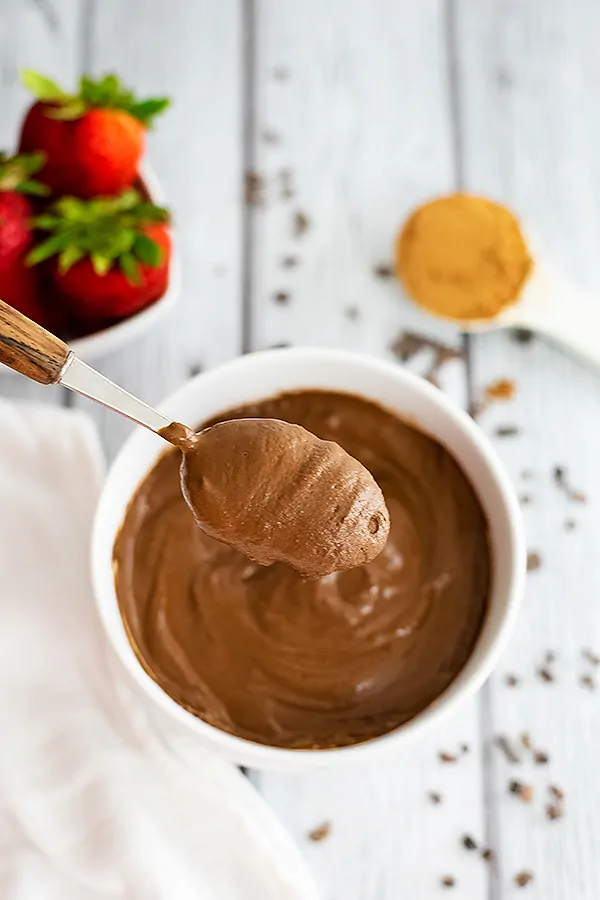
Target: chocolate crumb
x=320, y=832
x=271, y=137
x=504, y=431
x=511, y=680
x=448, y=881
x=301, y=224
x=253, y=189
x=562, y=482
x=383, y=271
x=447, y=757
x=352, y=313
x=545, y=674
x=282, y=297
x=523, y=878
x=526, y=740
x=522, y=335
x=194, y=370
x=541, y=758
x=500, y=389
x=289, y=262
x=464, y=748
x=469, y=843
x=556, y=792
x=523, y=791
x=503, y=743
x=435, y=798
x=570, y=524
x=591, y=657
x=409, y=343
x=588, y=682
x=525, y=499
x=554, y=811
x=280, y=73
x=488, y=855
x=534, y=561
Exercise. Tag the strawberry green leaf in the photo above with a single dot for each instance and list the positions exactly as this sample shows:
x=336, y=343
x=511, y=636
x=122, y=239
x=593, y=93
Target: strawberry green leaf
x=67, y=112
x=147, y=251
x=101, y=264
x=48, y=248
x=46, y=222
x=130, y=268
x=41, y=87
x=146, y=110
x=35, y=188
x=69, y=257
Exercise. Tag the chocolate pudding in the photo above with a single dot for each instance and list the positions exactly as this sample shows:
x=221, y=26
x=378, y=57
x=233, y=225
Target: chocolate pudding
x=274, y=658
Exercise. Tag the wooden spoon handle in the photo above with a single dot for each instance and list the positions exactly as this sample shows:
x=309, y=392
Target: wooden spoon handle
x=28, y=348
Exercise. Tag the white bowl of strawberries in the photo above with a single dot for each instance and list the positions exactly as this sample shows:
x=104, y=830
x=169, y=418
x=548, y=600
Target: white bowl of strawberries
x=85, y=242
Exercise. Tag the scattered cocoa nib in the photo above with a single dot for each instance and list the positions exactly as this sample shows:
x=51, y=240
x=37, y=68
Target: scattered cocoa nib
x=383, y=270
x=194, y=370
x=526, y=740
x=501, y=389
x=556, y=792
x=504, y=431
x=447, y=757
x=468, y=842
x=320, y=832
x=561, y=481
x=464, y=749
x=282, y=297
x=570, y=524
x=588, y=682
x=534, y=561
x=525, y=499
x=541, y=758
x=286, y=184
x=488, y=855
x=591, y=657
x=435, y=798
x=289, y=262
x=503, y=743
x=523, y=791
x=253, y=189
x=281, y=73
x=511, y=680
x=352, y=313
x=409, y=343
x=271, y=137
x=523, y=878
x=448, y=881
x=301, y=224
x=545, y=674
x=522, y=335
x=554, y=811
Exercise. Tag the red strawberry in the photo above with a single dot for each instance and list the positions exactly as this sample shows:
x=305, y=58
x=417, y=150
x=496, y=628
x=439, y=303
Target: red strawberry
x=93, y=140
x=110, y=256
x=18, y=284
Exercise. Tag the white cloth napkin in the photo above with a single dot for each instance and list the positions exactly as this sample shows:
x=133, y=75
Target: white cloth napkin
x=90, y=806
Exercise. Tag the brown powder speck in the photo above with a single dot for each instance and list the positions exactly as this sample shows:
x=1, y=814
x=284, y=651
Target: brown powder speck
x=561, y=480
x=545, y=675
x=523, y=878
x=488, y=855
x=556, y=792
x=503, y=744
x=383, y=271
x=468, y=842
x=588, y=682
x=523, y=791
x=435, y=798
x=591, y=657
x=300, y=225
x=541, y=758
x=352, y=313
x=534, y=561
x=504, y=431
x=447, y=757
x=554, y=811
x=448, y=881
x=289, y=262
x=511, y=680
x=320, y=832
x=253, y=189
x=409, y=343
x=281, y=297
x=501, y=389
x=280, y=73
x=522, y=335
x=526, y=740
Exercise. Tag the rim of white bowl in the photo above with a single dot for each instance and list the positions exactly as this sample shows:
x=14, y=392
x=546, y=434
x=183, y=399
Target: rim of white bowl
x=461, y=688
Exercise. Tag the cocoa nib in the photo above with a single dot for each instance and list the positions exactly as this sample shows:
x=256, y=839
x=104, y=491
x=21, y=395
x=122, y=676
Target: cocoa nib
x=253, y=189
x=523, y=791
x=321, y=832
x=562, y=482
x=534, y=561
x=523, y=878
x=409, y=343
x=503, y=744
x=301, y=224
x=383, y=271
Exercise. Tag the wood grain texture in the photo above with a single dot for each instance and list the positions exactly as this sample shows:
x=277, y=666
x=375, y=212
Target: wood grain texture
x=342, y=126
x=29, y=349
x=528, y=78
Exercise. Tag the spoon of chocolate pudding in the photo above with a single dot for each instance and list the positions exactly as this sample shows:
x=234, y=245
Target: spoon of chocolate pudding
x=271, y=490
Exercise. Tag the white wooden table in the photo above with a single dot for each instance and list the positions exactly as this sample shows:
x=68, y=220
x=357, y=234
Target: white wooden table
x=364, y=109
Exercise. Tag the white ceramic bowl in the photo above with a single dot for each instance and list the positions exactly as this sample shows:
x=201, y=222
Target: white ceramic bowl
x=114, y=337
x=262, y=375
